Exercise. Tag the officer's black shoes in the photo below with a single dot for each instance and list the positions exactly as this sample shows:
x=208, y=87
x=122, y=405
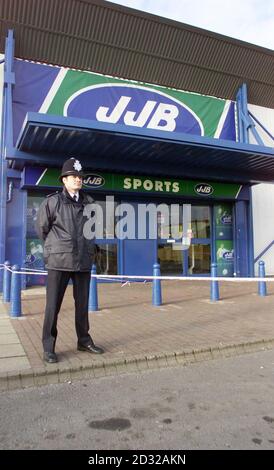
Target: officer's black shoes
x=91, y=348
x=50, y=357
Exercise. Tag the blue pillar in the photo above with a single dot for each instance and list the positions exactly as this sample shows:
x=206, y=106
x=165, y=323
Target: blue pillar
x=156, y=286
x=214, y=285
x=250, y=235
x=246, y=119
x=241, y=235
x=93, y=296
x=6, y=282
x=6, y=142
x=262, y=284
x=15, y=293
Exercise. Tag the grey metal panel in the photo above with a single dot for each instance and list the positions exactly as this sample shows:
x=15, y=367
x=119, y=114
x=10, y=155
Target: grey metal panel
x=108, y=38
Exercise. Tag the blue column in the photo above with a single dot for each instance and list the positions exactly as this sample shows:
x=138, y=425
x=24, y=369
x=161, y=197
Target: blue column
x=241, y=235
x=156, y=286
x=250, y=236
x=214, y=285
x=93, y=295
x=245, y=117
x=262, y=284
x=15, y=294
x=6, y=141
x=6, y=282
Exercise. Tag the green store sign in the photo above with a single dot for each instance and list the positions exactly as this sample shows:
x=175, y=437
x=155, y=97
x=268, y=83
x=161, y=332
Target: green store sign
x=98, y=181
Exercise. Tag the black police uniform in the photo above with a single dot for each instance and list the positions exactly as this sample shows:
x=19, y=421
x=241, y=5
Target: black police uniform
x=68, y=255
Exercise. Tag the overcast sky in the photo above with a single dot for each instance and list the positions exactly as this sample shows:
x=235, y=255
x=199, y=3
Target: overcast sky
x=248, y=20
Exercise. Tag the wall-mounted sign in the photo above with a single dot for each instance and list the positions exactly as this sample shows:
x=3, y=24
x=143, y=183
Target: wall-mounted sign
x=97, y=181
x=204, y=189
x=84, y=95
x=93, y=181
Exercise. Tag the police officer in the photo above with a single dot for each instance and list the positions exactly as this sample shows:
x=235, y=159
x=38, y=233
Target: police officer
x=68, y=255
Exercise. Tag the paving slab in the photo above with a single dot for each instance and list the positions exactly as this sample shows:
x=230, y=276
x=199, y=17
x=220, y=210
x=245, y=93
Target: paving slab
x=14, y=364
x=136, y=335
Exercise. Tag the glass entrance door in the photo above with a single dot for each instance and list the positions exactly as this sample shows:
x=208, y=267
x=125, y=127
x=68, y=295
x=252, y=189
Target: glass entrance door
x=169, y=228
x=197, y=259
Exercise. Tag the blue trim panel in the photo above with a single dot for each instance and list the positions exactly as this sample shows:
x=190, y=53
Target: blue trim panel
x=116, y=148
x=48, y=120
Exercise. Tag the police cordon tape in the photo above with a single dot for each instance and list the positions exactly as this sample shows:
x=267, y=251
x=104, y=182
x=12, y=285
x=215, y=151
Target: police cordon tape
x=34, y=270
x=161, y=278
x=44, y=273
x=12, y=284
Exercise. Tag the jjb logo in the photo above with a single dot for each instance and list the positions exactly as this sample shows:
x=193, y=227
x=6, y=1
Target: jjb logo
x=133, y=105
x=30, y=258
x=93, y=181
x=226, y=219
x=203, y=189
x=228, y=255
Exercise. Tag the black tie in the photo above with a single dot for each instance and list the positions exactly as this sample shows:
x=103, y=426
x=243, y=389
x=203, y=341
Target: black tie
x=75, y=197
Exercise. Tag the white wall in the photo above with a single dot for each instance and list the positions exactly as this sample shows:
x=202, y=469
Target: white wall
x=266, y=117
x=263, y=223
x=263, y=197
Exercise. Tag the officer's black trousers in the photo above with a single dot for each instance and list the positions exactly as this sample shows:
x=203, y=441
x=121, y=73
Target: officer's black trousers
x=56, y=286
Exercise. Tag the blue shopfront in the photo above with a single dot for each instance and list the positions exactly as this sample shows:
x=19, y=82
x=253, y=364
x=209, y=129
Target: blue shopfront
x=140, y=145
x=141, y=200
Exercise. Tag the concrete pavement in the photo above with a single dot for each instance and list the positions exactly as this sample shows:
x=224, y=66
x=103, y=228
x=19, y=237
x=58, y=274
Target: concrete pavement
x=136, y=335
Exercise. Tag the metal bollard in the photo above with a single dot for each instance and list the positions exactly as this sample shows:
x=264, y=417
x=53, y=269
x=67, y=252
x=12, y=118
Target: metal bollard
x=93, y=296
x=6, y=282
x=214, y=285
x=15, y=293
x=156, y=286
x=262, y=284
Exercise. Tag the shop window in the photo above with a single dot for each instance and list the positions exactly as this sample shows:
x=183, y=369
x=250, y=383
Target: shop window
x=224, y=244
x=106, y=258
x=200, y=221
x=199, y=259
x=169, y=221
x=105, y=225
x=170, y=260
x=34, y=247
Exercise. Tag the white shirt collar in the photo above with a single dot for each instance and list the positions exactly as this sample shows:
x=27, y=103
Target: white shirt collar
x=74, y=194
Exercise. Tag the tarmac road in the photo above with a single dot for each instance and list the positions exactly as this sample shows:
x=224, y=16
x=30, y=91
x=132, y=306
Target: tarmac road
x=218, y=404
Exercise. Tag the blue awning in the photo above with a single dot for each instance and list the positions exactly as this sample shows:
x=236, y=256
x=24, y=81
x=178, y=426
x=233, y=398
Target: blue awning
x=51, y=139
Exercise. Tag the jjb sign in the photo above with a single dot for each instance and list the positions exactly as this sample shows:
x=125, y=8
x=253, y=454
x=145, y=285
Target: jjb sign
x=133, y=105
x=103, y=99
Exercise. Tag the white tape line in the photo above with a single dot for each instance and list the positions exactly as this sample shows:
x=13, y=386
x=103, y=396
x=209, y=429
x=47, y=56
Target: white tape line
x=34, y=270
x=189, y=278
x=162, y=278
x=28, y=272
x=44, y=273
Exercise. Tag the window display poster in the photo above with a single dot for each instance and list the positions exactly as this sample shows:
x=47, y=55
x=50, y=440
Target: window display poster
x=33, y=205
x=225, y=258
x=223, y=221
x=35, y=261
